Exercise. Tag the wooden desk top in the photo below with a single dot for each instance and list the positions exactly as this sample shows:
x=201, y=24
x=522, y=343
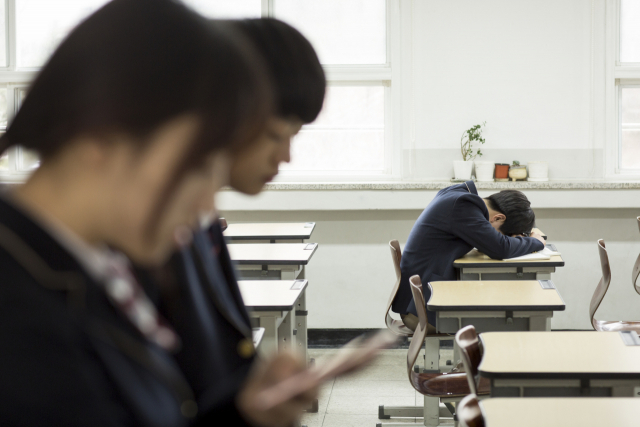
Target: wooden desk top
x=561, y=412
x=476, y=259
x=521, y=295
x=271, y=295
x=270, y=231
x=272, y=254
x=544, y=236
x=558, y=355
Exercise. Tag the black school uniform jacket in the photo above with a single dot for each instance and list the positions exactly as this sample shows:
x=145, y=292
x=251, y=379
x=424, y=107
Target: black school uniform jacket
x=455, y=221
x=67, y=356
x=207, y=311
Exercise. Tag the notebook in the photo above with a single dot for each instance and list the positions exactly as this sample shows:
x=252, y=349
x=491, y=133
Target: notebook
x=546, y=253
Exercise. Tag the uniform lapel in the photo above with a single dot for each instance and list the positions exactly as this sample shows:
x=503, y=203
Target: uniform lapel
x=215, y=283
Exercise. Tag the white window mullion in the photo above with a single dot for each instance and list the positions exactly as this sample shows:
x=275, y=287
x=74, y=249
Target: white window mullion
x=267, y=8
x=10, y=10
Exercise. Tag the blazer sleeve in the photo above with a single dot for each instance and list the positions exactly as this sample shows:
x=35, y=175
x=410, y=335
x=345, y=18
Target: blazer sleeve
x=469, y=224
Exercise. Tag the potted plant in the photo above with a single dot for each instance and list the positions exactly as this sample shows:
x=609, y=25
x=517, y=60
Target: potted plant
x=462, y=168
x=517, y=172
x=502, y=171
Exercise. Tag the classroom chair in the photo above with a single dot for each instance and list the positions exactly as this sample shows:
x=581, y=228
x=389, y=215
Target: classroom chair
x=223, y=223
x=398, y=327
x=469, y=412
x=598, y=296
x=448, y=387
x=394, y=325
x=636, y=269
x=471, y=354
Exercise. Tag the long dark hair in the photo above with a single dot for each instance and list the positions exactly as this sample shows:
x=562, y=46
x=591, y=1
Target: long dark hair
x=293, y=65
x=132, y=66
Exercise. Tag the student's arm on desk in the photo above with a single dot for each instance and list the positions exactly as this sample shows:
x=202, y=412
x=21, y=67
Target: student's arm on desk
x=469, y=224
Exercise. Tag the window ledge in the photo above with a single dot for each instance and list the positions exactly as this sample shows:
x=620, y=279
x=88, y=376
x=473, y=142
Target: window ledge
x=438, y=185
x=333, y=196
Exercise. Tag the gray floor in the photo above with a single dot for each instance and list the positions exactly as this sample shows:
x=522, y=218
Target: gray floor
x=353, y=400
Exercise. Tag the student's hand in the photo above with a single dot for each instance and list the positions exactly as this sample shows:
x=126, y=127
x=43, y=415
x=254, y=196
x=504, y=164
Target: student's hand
x=537, y=235
x=263, y=377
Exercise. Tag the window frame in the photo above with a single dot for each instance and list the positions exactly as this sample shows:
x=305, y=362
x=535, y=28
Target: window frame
x=385, y=75
x=388, y=75
x=618, y=76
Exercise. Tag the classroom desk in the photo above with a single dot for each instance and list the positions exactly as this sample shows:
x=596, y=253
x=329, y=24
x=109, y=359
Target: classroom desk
x=282, y=261
x=272, y=303
x=560, y=364
x=477, y=266
x=279, y=232
x=499, y=305
x=561, y=412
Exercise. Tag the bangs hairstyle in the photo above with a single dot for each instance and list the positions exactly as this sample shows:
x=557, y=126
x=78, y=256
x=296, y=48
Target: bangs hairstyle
x=136, y=64
x=293, y=65
x=517, y=208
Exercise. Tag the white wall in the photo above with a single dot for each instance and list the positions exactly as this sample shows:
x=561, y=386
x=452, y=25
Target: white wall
x=351, y=274
x=525, y=67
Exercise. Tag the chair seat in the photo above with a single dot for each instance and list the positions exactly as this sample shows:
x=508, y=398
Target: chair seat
x=399, y=328
x=447, y=385
x=615, y=326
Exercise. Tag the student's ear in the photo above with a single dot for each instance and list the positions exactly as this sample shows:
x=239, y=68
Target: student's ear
x=498, y=218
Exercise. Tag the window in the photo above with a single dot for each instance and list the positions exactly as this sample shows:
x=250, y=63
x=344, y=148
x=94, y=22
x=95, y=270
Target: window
x=42, y=24
x=356, y=41
x=352, y=136
x=225, y=9
x=624, y=82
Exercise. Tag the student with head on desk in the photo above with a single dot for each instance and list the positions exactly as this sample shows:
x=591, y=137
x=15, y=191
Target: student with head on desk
x=200, y=296
x=456, y=221
x=133, y=144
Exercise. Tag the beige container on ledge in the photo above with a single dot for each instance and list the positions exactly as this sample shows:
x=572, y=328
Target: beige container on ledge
x=518, y=173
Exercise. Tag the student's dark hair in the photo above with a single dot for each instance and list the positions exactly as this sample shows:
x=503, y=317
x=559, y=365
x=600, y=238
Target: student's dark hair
x=133, y=66
x=293, y=65
x=517, y=208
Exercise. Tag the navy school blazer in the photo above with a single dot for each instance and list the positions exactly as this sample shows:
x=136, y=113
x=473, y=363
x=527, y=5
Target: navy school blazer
x=455, y=221
x=67, y=356
x=202, y=301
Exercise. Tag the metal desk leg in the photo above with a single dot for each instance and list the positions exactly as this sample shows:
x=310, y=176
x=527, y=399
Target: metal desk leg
x=288, y=274
x=543, y=275
x=301, y=325
x=431, y=411
x=269, y=343
x=286, y=335
x=538, y=323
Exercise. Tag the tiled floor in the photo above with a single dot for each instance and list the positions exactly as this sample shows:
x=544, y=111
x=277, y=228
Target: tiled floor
x=353, y=400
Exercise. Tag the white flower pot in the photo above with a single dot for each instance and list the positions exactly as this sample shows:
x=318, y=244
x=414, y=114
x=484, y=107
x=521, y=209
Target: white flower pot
x=538, y=171
x=462, y=169
x=484, y=170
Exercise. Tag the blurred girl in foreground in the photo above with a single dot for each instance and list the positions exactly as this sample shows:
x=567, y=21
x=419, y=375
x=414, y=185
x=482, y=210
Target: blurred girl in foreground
x=135, y=117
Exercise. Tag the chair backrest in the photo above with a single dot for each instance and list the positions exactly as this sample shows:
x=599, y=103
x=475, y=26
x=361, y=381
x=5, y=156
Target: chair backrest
x=223, y=223
x=469, y=345
x=603, y=285
x=421, y=330
x=396, y=257
x=469, y=413
x=636, y=269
